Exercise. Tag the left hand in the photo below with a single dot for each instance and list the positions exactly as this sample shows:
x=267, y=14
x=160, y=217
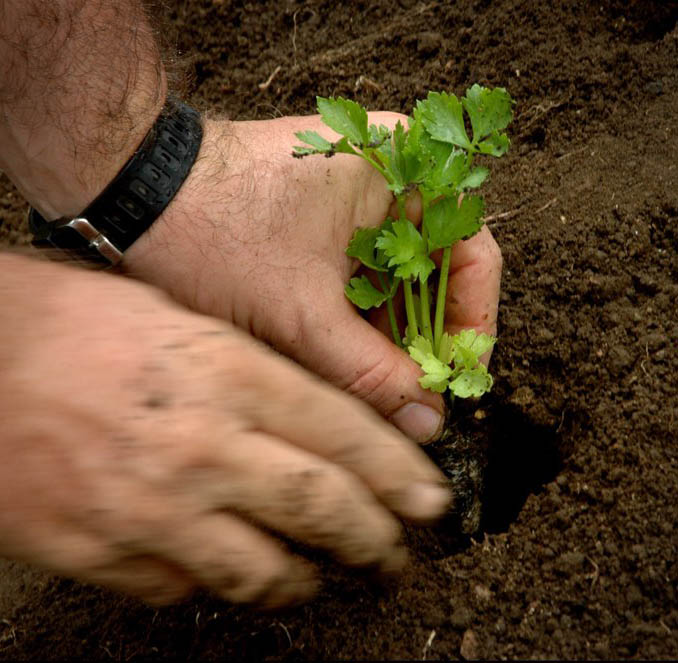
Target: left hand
x=258, y=238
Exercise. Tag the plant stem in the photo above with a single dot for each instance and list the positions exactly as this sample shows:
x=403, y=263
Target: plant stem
x=401, y=208
x=425, y=306
x=407, y=285
x=374, y=165
x=425, y=309
x=395, y=332
x=409, y=308
x=440, y=301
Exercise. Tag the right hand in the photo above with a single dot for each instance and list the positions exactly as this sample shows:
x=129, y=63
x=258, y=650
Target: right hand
x=154, y=450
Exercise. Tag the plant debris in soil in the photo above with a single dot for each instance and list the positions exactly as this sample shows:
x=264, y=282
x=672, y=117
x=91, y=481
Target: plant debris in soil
x=576, y=552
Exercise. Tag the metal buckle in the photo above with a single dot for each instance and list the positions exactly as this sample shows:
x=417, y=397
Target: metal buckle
x=96, y=240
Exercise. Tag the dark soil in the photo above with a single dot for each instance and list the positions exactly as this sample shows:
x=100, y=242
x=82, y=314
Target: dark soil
x=577, y=552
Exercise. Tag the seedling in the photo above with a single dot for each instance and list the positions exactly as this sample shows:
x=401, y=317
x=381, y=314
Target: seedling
x=434, y=156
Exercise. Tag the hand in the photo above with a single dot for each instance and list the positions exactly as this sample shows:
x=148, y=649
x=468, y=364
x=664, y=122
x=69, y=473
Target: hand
x=258, y=238
x=146, y=448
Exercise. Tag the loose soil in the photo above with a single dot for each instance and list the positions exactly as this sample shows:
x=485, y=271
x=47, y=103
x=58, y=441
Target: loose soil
x=576, y=555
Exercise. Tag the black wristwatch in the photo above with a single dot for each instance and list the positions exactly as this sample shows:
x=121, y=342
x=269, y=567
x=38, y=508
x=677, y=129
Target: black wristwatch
x=135, y=198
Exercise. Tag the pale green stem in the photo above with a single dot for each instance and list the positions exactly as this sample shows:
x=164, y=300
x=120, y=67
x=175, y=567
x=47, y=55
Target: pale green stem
x=425, y=309
x=407, y=285
x=440, y=301
x=374, y=165
x=425, y=306
x=395, y=332
x=401, y=208
x=409, y=308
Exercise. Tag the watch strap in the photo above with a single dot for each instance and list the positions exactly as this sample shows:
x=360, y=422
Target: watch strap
x=135, y=198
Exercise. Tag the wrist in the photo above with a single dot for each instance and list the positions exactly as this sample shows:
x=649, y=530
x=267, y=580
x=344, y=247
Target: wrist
x=60, y=179
x=170, y=254
x=78, y=97
x=135, y=198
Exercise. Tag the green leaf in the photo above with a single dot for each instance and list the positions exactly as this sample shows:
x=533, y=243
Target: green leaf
x=342, y=146
x=363, y=246
x=468, y=343
x=446, y=352
x=321, y=145
x=447, y=171
x=363, y=294
x=496, y=145
x=471, y=383
x=474, y=179
x=303, y=151
x=418, y=267
x=401, y=243
x=436, y=373
x=378, y=135
x=315, y=140
x=447, y=222
x=403, y=165
x=346, y=117
x=405, y=248
x=390, y=157
x=489, y=110
x=443, y=118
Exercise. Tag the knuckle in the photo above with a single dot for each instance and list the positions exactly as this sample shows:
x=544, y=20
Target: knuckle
x=370, y=381
x=330, y=509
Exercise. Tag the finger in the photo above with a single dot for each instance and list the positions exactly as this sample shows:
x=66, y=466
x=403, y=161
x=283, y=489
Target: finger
x=290, y=404
x=237, y=561
x=364, y=362
x=152, y=580
x=413, y=208
x=91, y=558
x=473, y=286
x=305, y=498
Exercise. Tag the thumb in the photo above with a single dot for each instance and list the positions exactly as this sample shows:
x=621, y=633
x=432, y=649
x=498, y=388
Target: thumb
x=367, y=364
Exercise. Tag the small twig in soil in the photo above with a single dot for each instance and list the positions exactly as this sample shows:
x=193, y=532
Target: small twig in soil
x=569, y=154
x=265, y=85
x=514, y=212
x=502, y=215
x=284, y=628
x=642, y=363
x=595, y=575
x=294, y=35
x=428, y=644
x=665, y=627
x=108, y=651
x=562, y=419
x=363, y=81
x=546, y=206
x=534, y=113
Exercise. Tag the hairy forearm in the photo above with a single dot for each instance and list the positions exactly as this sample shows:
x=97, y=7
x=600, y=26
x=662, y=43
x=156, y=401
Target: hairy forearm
x=81, y=82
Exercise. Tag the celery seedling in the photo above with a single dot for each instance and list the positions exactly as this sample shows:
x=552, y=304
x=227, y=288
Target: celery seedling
x=434, y=155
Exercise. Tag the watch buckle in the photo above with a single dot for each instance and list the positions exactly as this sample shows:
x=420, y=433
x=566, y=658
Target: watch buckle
x=97, y=240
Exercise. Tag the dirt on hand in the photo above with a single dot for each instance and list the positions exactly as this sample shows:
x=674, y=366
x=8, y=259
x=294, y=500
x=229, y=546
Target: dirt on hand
x=576, y=556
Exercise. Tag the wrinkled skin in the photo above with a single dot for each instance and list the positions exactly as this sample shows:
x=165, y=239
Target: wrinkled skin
x=154, y=450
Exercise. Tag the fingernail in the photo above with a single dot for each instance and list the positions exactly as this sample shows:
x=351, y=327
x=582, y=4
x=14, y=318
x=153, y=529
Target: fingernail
x=419, y=422
x=426, y=501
